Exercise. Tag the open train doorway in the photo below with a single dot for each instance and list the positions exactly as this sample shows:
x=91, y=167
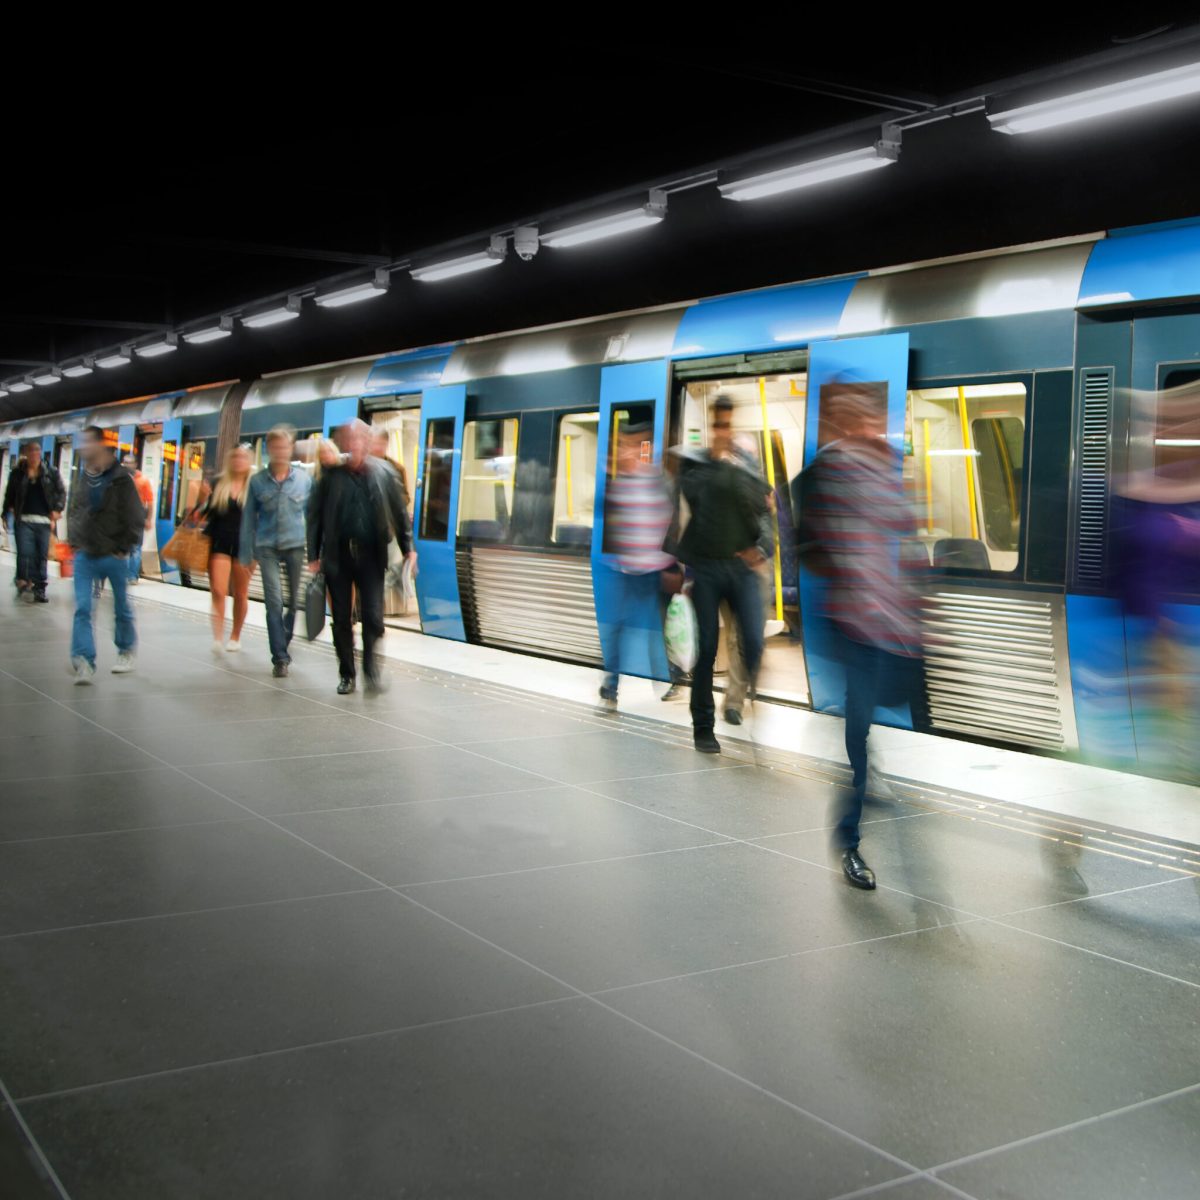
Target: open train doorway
x=768, y=429
x=399, y=429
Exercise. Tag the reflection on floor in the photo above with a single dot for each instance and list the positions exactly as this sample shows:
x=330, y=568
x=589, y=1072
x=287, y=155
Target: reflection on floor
x=259, y=940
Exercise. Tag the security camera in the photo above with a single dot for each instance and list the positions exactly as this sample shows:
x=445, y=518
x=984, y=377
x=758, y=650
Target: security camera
x=525, y=241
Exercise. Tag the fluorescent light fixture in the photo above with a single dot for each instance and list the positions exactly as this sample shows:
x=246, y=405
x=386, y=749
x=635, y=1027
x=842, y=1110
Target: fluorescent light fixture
x=118, y=358
x=274, y=316
x=20, y=386
x=1177, y=441
x=648, y=214
x=821, y=170
x=1097, y=101
x=3, y=392
x=79, y=369
x=46, y=378
x=367, y=290
x=164, y=345
x=493, y=256
x=210, y=333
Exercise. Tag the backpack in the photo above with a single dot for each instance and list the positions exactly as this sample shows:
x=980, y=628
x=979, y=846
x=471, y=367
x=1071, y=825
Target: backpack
x=811, y=552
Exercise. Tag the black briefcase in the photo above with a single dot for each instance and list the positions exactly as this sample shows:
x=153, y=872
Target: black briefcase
x=314, y=606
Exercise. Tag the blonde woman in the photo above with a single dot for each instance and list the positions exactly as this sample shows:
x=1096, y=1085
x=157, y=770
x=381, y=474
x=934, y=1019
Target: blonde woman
x=224, y=523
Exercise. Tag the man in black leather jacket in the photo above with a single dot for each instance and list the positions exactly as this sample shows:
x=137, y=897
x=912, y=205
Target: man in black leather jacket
x=727, y=540
x=34, y=498
x=353, y=513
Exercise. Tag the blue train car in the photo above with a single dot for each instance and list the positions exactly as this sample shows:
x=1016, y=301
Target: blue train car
x=1010, y=381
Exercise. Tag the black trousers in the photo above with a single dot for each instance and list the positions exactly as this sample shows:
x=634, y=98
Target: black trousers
x=363, y=570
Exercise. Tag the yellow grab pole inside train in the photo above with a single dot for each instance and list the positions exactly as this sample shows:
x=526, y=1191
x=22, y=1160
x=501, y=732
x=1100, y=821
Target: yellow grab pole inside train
x=928, y=480
x=770, y=457
x=968, y=458
x=570, y=496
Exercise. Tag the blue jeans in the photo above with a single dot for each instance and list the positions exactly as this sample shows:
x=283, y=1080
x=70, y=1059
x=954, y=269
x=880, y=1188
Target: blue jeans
x=714, y=580
x=33, y=544
x=90, y=569
x=636, y=601
x=135, y=563
x=281, y=617
x=874, y=677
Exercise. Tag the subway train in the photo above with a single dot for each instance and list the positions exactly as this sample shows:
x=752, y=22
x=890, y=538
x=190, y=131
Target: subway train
x=1017, y=382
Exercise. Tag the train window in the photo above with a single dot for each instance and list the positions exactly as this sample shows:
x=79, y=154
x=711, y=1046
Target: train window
x=964, y=461
x=1177, y=424
x=191, y=478
x=485, y=491
x=439, y=468
x=166, y=490
x=575, y=478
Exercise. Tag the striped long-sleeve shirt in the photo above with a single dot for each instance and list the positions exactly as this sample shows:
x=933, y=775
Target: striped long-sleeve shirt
x=858, y=509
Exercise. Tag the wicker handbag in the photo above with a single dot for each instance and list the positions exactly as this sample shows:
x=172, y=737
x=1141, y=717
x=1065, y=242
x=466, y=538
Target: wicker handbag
x=188, y=548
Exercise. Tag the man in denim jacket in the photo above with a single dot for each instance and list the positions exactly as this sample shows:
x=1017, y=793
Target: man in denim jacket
x=274, y=536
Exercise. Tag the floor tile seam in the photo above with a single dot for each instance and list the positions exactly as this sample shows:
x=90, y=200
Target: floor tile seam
x=792, y=857
x=33, y=1142
x=877, y=1189
x=561, y=983
x=97, y=833
x=1081, y=900
x=297, y=1048
x=1069, y=1127
x=517, y=791
x=779, y=958
x=192, y=912
x=1112, y=958
x=566, y=866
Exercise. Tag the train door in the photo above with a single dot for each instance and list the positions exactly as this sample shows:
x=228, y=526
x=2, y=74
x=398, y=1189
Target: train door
x=768, y=428
x=402, y=426
x=8, y=456
x=65, y=455
x=152, y=469
x=443, y=418
x=880, y=363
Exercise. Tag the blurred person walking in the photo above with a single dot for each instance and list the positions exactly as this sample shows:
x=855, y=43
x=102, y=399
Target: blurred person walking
x=34, y=499
x=353, y=513
x=637, y=515
x=223, y=525
x=727, y=541
x=105, y=520
x=146, y=495
x=852, y=505
x=273, y=535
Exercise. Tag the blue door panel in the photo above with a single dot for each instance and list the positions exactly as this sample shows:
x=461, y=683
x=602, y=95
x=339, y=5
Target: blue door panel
x=437, y=574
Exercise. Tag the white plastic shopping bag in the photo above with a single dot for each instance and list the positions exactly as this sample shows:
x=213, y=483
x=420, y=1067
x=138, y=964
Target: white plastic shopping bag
x=680, y=632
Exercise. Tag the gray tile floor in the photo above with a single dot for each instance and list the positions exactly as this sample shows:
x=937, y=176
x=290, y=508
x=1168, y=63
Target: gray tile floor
x=258, y=940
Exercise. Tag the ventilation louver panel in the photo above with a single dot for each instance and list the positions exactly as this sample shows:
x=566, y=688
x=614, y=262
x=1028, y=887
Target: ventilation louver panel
x=994, y=668
x=1092, y=515
x=538, y=603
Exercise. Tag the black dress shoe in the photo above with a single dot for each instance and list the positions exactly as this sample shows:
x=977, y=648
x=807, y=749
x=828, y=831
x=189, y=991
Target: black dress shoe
x=41, y=598
x=704, y=741
x=732, y=716
x=856, y=871
x=345, y=685
x=279, y=670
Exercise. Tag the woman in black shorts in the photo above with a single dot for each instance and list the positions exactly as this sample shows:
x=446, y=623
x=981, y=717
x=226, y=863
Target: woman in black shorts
x=224, y=523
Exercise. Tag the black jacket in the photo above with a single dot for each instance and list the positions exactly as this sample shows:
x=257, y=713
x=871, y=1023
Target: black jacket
x=695, y=481
x=49, y=480
x=116, y=526
x=327, y=503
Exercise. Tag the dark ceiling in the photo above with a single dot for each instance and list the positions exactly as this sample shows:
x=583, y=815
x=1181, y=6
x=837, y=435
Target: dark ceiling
x=201, y=205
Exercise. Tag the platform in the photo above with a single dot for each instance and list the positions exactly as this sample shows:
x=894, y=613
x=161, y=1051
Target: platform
x=475, y=937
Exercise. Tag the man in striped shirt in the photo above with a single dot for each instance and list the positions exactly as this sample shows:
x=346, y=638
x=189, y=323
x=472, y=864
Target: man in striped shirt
x=637, y=513
x=856, y=510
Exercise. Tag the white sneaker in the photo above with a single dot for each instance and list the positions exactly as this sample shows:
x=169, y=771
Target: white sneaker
x=82, y=670
x=233, y=645
x=218, y=647
x=123, y=665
